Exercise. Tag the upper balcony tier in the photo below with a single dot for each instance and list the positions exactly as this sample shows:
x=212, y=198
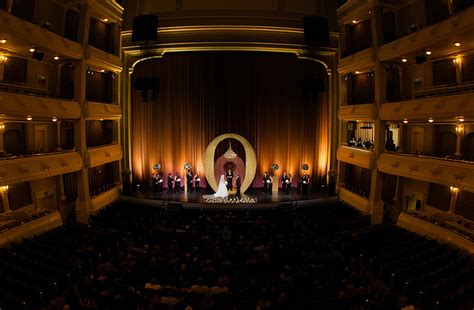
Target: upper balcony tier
x=27, y=168
x=439, y=36
x=448, y=106
x=429, y=169
x=357, y=61
x=20, y=106
x=356, y=156
x=362, y=112
x=22, y=35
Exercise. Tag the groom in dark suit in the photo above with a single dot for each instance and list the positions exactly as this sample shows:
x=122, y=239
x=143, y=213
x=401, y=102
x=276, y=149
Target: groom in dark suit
x=237, y=184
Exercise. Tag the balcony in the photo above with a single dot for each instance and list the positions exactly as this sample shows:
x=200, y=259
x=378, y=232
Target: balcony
x=354, y=200
x=448, y=106
x=429, y=36
x=33, y=224
x=16, y=30
x=454, y=173
x=356, y=156
x=98, y=58
x=432, y=230
x=362, y=112
x=101, y=110
x=18, y=169
x=102, y=155
x=20, y=105
x=104, y=199
x=360, y=60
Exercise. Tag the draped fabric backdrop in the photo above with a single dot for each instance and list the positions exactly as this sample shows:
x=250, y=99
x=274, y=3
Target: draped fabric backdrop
x=206, y=94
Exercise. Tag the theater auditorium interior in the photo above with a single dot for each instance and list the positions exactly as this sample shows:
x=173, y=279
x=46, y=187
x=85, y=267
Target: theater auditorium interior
x=205, y=154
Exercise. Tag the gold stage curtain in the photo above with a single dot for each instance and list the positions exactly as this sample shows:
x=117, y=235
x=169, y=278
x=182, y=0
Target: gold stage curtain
x=204, y=94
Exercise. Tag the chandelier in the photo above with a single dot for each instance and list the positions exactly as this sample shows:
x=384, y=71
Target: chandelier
x=230, y=155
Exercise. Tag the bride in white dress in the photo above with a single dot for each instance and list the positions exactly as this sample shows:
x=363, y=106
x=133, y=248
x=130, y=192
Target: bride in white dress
x=221, y=189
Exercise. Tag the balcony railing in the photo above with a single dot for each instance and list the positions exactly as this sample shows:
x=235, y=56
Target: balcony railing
x=102, y=155
x=26, y=168
x=356, y=156
x=456, y=173
x=449, y=105
x=21, y=104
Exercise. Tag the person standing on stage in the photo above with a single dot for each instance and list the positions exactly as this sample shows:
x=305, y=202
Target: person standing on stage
x=288, y=183
x=238, y=184
x=154, y=182
x=229, y=176
x=157, y=182
x=189, y=181
x=267, y=183
x=284, y=177
x=177, y=183
x=170, y=182
x=197, y=183
x=305, y=184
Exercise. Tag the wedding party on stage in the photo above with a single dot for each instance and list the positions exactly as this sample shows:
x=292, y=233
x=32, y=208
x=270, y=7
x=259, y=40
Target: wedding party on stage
x=216, y=131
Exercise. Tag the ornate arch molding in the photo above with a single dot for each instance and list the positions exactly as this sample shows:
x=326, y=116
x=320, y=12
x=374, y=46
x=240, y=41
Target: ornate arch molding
x=250, y=165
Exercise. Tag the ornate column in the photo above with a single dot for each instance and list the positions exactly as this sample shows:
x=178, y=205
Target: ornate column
x=459, y=134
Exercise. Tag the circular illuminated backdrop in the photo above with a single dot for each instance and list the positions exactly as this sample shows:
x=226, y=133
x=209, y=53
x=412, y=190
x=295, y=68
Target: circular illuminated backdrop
x=250, y=164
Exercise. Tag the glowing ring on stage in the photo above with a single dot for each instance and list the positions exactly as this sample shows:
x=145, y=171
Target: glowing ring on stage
x=250, y=164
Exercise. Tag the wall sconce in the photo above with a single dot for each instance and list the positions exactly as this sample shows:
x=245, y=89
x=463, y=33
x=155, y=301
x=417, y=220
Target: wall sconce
x=3, y=58
x=3, y=189
x=459, y=129
x=453, y=189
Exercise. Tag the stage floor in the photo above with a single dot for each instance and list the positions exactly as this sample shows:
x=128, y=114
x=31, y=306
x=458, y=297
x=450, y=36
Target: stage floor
x=196, y=199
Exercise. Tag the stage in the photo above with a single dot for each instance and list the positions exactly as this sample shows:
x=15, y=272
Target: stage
x=260, y=200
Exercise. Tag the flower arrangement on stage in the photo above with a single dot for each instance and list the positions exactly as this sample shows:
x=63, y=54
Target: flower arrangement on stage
x=222, y=200
x=305, y=167
x=187, y=166
x=156, y=166
x=275, y=167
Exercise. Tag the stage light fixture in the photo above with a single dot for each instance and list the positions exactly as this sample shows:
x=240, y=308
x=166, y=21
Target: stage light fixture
x=102, y=70
x=56, y=58
x=428, y=52
x=405, y=121
x=357, y=72
x=3, y=41
x=32, y=50
x=354, y=21
x=430, y=120
x=54, y=119
x=457, y=44
x=29, y=118
x=461, y=120
x=404, y=60
x=105, y=19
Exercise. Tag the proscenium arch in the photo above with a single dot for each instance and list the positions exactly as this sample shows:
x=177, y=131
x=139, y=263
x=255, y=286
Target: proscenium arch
x=250, y=164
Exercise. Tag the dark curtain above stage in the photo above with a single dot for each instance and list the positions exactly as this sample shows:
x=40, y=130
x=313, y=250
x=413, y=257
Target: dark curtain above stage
x=256, y=95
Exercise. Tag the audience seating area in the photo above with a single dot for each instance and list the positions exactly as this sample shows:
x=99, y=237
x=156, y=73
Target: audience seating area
x=321, y=257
